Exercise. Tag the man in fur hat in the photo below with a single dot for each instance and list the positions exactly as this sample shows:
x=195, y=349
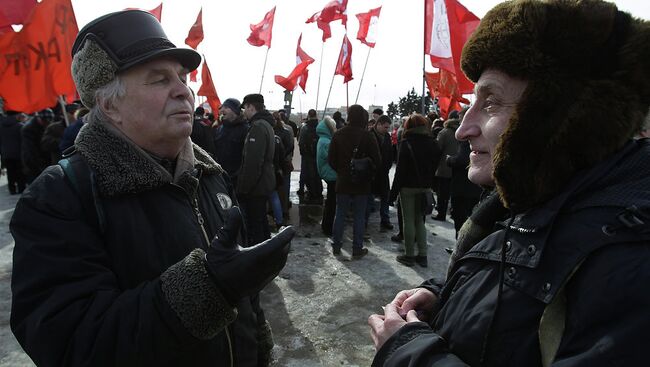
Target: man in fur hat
x=553, y=266
x=127, y=252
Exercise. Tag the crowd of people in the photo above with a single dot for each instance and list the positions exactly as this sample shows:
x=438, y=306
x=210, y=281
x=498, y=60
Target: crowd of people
x=142, y=236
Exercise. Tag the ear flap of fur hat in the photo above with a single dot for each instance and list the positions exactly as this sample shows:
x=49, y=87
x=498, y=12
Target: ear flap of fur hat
x=588, y=89
x=92, y=68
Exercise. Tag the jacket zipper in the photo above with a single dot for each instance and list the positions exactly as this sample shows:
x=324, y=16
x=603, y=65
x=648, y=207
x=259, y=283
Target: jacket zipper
x=199, y=217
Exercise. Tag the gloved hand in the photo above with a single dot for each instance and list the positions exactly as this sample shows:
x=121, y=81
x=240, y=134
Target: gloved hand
x=242, y=272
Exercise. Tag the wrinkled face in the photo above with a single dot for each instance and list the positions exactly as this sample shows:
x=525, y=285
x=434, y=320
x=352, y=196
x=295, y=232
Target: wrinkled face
x=497, y=95
x=156, y=112
x=227, y=114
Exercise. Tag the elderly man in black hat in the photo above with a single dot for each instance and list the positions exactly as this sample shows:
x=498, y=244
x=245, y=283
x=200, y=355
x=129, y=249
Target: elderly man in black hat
x=553, y=266
x=127, y=252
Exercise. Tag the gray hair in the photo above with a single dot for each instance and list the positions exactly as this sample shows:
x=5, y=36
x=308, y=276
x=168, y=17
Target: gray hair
x=111, y=93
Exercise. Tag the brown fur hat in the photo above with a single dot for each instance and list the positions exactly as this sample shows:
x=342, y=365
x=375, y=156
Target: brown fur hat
x=588, y=71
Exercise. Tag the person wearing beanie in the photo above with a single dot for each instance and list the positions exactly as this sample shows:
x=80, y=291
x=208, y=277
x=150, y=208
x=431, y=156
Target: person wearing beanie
x=128, y=251
x=551, y=269
x=202, y=132
x=353, y=141
x=229, y=138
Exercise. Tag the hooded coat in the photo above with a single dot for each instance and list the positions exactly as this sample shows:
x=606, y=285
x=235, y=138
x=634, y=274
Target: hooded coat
x=135, y=292
x=322, y=151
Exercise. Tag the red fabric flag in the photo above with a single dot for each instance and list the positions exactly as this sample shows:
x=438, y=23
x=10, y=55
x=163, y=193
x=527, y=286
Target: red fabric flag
x=448, y=25
x=445, y=86
x=344, y=65
x=262, y=32
x=301, y=56
x=156, y=12
x=291, y=81
x=334, y=10
x=195, y=35
x=193, y=75
x=207, y=88
x=37, y=59
x=367, y=26
x=14, y=12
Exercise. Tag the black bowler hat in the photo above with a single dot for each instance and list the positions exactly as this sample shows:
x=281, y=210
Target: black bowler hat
x=131, y=37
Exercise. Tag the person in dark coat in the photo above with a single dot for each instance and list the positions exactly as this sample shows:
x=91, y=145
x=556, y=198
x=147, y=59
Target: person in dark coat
x=202, y=131
x=464, y=193
x=285, y=133
x=381, y=183
x=418, y=158
x=34, y=159
x=553, y=266
x=134, y=259
x=257, y=175
x=448, y=146
x=353, y=137
x=229, y=138
x=307, y=142
x=70, y=133
x=10, y=151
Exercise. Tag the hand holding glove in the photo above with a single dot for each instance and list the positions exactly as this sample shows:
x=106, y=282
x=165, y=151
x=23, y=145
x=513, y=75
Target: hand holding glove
x=242, y=272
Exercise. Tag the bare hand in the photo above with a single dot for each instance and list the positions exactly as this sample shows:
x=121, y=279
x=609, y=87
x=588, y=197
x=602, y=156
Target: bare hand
x=420, y=300
x=382, y=327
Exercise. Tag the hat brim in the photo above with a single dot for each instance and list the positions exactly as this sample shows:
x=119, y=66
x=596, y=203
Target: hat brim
x=190, y=59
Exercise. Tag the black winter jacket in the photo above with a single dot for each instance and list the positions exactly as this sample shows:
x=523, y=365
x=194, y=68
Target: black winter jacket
x=425, y=161
x=256, y=177
x=229, y=145
x=308, y=139
x=381, y=184
x=10, y=137
x=607, y=318
x=341, y=151
x=127, y=295
x=34, y=159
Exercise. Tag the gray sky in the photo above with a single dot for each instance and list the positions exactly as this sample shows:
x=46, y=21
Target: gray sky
x=394, y=65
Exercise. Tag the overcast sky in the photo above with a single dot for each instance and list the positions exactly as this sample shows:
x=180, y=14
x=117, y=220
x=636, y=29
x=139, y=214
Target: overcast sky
x=394, y=65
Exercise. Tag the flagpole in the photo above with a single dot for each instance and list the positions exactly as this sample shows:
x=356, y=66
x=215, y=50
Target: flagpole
x=328, y=94
x=65, y=114
x=347, y=100
x=264, y=68
x=320, y=69
x=362, y=75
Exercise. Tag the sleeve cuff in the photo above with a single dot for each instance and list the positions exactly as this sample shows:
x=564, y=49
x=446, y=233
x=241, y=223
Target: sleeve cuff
x=187, y=287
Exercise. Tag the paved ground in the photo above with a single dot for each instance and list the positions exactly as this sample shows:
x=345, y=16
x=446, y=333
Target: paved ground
x=319, y=304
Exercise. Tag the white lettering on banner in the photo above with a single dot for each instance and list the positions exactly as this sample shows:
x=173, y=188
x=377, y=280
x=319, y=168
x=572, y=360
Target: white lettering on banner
x=440, y=43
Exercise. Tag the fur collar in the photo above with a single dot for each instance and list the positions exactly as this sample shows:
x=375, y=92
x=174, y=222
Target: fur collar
x=121, y=167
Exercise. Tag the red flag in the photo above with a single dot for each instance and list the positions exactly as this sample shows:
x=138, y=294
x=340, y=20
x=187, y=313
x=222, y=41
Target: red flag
x=290, y=82
x=195, y=35
x=448, y=25
x=262, y=32
x=445, y=86
x=156, y=12
x=334, y=10
x=344, y=65
x=301, y=56
x=367, y=26
x=37, y=59
x=193, y=75
x=207, y=88
x=14, y=12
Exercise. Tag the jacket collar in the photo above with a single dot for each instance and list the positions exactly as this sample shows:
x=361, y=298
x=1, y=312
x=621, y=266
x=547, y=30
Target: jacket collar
x=121, y=167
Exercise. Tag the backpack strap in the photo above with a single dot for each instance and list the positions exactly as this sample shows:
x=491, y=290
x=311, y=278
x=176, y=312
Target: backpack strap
x=82, y=179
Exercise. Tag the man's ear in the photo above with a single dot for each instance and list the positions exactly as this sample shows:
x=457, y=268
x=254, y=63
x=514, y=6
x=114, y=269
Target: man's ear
x=110, y=111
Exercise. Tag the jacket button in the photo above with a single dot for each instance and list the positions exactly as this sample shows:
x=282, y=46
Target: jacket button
x=508, y=246
x=531, y=250
x=546, y=287
x=512, y=271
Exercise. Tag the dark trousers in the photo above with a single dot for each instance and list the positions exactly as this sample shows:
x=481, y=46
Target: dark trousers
x=400, y=220
x=15, y=177
x=330, y=208
x=254, y=211
x=311, y=178
x=442, y=202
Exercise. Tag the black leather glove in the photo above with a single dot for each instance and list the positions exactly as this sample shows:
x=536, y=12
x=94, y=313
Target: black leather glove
x=242, y=272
